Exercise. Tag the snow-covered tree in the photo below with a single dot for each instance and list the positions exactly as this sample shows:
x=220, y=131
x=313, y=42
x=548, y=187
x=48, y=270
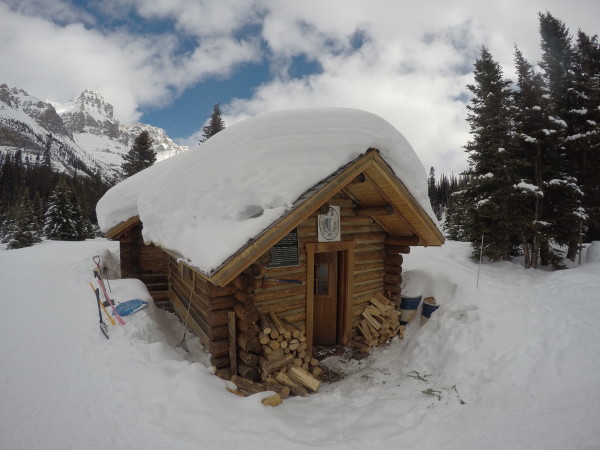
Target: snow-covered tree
x=22, y=229
x=583, y=142
x=493, y=162
x=64, y=220
x=565, y=203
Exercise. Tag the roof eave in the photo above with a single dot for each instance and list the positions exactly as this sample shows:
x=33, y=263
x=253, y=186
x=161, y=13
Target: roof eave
x=122, y=228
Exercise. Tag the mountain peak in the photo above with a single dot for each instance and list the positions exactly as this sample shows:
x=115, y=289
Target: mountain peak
x=89, y=113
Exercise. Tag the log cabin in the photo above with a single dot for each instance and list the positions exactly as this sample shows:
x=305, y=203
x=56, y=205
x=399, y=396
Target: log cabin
x=338, y=198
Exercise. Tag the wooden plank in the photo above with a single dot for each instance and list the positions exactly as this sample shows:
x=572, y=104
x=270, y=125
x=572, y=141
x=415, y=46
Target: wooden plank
x=402, y=240
x=122, y=227
x=374, y=211
x=303, y=377
x=232, y=343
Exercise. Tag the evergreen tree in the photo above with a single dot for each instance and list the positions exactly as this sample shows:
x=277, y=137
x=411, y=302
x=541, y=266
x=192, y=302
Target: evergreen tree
x=215, y=124
x=140, y=156
x=64, y=220
x=533, y=143
x=23, y=229
x=564, y=204
x=493, y=162
x=583, y=144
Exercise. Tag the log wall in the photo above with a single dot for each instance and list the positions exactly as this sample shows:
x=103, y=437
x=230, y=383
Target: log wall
x=147, y=263
x=377, y=269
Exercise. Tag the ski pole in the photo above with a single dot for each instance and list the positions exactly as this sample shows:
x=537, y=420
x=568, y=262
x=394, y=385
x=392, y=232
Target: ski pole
x=103, y=327
x=97, y=274
x=105, y=269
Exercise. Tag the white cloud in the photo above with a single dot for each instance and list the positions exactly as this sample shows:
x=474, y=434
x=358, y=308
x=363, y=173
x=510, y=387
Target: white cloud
x=58, y=61
x=411, y=69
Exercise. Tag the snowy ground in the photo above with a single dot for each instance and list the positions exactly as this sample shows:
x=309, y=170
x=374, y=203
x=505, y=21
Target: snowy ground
x=512, y=364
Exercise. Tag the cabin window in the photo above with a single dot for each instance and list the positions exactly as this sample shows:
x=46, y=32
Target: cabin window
x=321, y=279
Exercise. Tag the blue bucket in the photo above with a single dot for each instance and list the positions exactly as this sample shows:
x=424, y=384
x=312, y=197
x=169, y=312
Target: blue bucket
x=429, y=307
x=408, y=308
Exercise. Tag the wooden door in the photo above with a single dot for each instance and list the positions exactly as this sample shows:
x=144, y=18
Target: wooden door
x=325, y=298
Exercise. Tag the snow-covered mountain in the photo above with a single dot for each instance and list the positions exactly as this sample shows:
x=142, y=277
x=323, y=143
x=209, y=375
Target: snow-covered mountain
x=81, y=135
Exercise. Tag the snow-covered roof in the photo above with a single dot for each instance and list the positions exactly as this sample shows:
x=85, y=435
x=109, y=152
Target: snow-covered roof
x=207, y=203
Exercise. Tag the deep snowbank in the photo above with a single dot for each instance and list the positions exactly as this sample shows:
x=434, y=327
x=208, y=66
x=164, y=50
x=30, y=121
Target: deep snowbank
x=511, y=364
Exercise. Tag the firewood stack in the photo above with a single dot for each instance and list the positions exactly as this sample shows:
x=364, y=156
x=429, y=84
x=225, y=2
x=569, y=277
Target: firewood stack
x=379, y=324
x=282, y=365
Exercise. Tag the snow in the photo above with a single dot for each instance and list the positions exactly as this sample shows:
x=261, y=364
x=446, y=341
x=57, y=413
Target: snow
x=202, y=204
x=512, y=364
x=527, y=138
x=528, y=187
x=558, y=121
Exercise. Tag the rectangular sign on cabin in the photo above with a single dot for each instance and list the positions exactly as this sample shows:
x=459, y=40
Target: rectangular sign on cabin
x=285, y=253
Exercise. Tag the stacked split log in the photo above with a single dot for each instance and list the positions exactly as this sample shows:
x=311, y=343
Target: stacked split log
x=379, y=324
x=267, y=352
x=284, y=348
x=284, y=366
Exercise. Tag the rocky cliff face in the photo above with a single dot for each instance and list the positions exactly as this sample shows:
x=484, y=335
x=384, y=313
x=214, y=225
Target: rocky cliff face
x=82, y=135
x=89, y=113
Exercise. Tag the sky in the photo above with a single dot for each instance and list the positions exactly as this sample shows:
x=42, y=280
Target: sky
x=167, y=62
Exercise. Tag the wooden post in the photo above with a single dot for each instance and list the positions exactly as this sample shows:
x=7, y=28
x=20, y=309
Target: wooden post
x=232, y=342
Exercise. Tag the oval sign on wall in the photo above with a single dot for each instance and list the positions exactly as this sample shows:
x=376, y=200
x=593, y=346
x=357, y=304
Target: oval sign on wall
x=329, y=229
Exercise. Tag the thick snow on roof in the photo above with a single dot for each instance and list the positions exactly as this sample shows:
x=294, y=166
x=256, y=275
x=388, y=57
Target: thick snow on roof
x=207, y=203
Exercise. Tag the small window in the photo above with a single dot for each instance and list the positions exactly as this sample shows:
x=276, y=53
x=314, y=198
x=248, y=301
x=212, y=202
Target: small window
x=321, y=279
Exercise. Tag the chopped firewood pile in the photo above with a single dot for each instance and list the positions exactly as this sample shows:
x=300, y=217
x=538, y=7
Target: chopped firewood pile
x=282, y=363
x=274, y=358
x=379, y=324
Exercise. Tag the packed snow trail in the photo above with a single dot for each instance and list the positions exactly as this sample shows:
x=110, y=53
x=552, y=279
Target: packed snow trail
x=511, y=364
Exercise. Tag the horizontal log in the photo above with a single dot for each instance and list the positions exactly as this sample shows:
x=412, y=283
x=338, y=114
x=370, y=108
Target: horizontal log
x=304, y=377
x=370, y=275
x=362, y=255
x=269, y=366
x=247, y=385
x=395, y=249
x=219, y=347
x=243, y=282
x=248, y=327
x=253, y=270
x=392, y=259
x=394, y=270
x=246, y=313
x=244, y=297
x=395, y=279
x=280, y=293
x=248, y=358
x=296, y=388
x=272, y=400
x=371, y=285
x=248, y=372
x=249, y=343
x=220, y=362
x=392, y=288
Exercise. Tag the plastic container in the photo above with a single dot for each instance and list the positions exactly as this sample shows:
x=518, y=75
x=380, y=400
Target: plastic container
x=408, y=308
x=429, y=307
